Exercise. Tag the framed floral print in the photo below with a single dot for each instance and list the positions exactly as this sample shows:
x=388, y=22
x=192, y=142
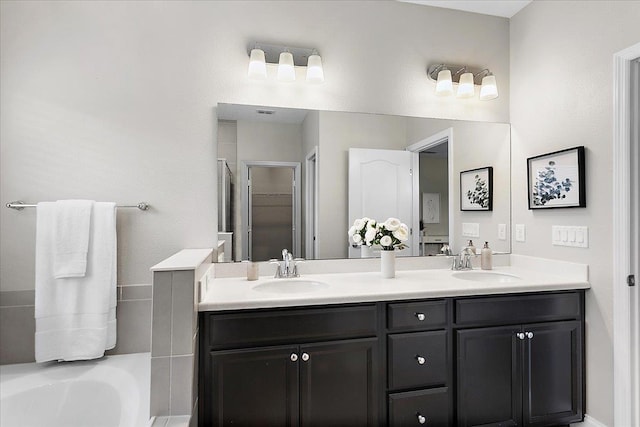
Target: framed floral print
x=556, y=180
x=476, y=189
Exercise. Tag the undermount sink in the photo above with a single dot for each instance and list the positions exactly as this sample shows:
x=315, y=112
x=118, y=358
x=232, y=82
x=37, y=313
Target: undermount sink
x=290, y=286
x=487, y=276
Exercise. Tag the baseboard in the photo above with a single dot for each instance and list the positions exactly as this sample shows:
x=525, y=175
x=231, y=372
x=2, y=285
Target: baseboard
x=589, y=422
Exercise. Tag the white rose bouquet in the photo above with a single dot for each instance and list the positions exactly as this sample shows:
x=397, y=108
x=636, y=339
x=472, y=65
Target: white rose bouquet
x=389, y=235
x=362, y=231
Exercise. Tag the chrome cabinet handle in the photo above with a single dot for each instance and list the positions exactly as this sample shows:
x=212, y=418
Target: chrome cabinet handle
x=421, y=418
x=520, y=335
x=421, y=360
x=293, y=357
x=305, y=357
x=529, y=335
x=420, y=316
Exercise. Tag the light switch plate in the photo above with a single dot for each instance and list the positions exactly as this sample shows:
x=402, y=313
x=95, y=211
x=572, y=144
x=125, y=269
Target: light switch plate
x=471, y=229
x=520, y=233
x=502, y=231
x=570, y=235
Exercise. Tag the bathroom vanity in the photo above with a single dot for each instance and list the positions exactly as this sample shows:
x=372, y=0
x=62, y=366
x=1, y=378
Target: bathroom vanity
x=425, y=348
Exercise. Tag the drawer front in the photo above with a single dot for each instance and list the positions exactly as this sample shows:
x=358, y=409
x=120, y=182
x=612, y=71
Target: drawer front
x=255, y=328
x=418, y=359
x=518, y=309
x=423, y=407
x=417, y=315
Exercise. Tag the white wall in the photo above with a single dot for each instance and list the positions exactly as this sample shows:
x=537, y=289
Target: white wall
x=562, y=68
x=115, y=100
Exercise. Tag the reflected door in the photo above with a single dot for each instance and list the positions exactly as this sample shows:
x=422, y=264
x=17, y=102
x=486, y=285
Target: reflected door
x=380, y=187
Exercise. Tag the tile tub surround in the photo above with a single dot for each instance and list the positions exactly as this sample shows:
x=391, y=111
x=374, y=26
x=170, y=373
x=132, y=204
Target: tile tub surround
x=174, y=335
x=17, y=323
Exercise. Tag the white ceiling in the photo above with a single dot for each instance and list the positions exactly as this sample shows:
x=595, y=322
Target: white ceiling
x=504, y=8
x=254, y=113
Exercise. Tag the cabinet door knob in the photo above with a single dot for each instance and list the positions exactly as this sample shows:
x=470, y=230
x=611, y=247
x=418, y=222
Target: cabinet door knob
x=529, y=335
x=520, y=335
x=305, y=357
x=421, y=360
x=421, y=316
x=293, y=357
x=421, y=418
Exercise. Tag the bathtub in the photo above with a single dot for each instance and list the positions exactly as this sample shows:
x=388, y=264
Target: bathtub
x=108, y=392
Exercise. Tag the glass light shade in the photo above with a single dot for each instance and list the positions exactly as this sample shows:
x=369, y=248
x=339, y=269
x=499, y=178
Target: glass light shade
x=315, y=74
x=286, y=72
x=257, y=65
x=444, y=85
x=465, y=88
x=489, y=89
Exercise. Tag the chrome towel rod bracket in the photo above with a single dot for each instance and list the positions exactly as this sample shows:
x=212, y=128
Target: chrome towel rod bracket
x=20, y=205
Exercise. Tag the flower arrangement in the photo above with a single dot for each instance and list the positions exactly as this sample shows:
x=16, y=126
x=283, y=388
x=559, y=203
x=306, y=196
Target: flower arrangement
x=480, y=193
x=390, y=234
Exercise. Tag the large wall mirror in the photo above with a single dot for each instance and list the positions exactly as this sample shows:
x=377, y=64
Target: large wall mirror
x=297, y=179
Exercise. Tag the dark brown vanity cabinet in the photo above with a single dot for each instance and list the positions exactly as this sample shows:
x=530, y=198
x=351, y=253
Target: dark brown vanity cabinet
x=419, y=363
x=506, y=360
x=314, y=367
x=527, y=374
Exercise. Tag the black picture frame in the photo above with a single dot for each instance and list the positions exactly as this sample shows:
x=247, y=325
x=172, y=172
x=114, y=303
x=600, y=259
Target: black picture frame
x=557, y=180
x=476, y=189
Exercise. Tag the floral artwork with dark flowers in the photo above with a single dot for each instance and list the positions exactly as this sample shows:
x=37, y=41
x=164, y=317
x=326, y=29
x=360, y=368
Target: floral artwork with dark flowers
x=480, y=194
x=548, y=187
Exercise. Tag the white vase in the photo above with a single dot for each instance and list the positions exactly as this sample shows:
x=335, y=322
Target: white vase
x=388, y=264
x=366, y=251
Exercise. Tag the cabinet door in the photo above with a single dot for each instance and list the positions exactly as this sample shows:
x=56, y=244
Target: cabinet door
x=252, y=387
x=552, y=373
x=339, y=383
x=489, y=376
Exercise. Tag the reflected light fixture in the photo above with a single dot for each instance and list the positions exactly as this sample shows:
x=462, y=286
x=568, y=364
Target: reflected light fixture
x=257, y=65
x=465, y=79
x=286, y=59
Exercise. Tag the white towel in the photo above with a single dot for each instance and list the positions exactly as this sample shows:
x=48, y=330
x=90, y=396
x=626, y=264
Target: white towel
x=71, y=237
x=75, y=317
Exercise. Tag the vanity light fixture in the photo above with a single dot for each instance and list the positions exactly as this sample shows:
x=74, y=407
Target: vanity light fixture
x=465, y=79
x=263, y=56
x=257, y=64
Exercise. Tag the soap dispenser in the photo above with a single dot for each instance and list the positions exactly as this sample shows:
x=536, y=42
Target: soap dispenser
x=485, y=257
x=470, y=246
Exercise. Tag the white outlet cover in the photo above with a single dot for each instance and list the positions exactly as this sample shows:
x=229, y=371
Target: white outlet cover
x=502, y=231
x=520, y=233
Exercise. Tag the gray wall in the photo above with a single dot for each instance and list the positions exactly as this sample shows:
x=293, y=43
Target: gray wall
x=435, y=179
x=562, y=68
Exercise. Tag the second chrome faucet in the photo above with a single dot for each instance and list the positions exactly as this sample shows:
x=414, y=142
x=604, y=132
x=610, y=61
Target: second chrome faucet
x=287, y=268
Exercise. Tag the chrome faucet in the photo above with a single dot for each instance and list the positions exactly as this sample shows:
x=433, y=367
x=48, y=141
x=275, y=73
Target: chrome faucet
x=287, y=268
x=462, y=261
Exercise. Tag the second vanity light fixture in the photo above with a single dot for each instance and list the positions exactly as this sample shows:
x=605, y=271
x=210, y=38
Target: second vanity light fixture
x=465, y=78
x=287, y=58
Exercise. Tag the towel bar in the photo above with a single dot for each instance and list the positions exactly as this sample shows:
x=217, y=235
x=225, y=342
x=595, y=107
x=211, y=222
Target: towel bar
x=19, y=205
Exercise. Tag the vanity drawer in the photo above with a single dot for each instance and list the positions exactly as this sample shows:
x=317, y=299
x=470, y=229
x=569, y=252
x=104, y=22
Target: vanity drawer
x=417, y=315
x=417, y=359
x=422, y=407
x=505, y=310
x=266, y=327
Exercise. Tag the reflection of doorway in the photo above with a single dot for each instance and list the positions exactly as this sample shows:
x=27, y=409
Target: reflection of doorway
x=270, y=209
x=311, y=205
x=434, y=162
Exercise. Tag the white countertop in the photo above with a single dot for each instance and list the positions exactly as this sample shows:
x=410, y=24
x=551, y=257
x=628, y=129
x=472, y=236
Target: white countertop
x=186, y=259
x=239, y=293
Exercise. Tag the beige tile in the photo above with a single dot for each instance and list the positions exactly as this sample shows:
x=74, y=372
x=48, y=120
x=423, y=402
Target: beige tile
x=181, y=388
x=134, y=327
x=131, y=292
x=182, y=325
x=161, y=314
x=15, y=298
x=160, y=386
x=17, y=331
